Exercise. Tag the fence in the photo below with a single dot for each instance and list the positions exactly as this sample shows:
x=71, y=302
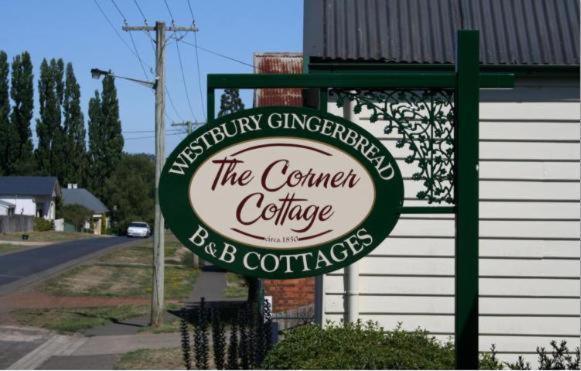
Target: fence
x=225, y=335
x=294, y=317
x=16, y=223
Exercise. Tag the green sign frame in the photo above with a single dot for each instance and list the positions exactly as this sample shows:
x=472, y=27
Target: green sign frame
x=222, y=247
x=465, y=81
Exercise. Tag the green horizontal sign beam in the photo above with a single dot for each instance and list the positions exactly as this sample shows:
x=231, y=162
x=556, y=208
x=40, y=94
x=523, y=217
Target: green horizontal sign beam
x=428, y=210
x=354, y=80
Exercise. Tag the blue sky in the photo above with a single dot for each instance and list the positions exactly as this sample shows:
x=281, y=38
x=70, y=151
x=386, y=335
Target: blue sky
x=76, y=31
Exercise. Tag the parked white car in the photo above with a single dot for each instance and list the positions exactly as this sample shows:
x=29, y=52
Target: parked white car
x=138, y=229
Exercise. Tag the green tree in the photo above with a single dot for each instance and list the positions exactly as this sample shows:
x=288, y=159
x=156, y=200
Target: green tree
x=132, y=197
x=22, y=93
x=230, y=102
x=74, y=130
x=50, y=153
x=5, y=137
x=96, y=165
x=105, y=138
x=75, y=214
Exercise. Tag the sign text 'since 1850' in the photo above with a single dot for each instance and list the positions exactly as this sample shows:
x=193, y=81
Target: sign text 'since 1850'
x=281, y=192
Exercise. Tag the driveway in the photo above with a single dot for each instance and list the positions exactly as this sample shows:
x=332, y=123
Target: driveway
x=25, y=265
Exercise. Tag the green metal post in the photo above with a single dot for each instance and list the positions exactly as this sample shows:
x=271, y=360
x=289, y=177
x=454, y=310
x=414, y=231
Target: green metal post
x=211, y=104
x=466, y=183
x=323, y=98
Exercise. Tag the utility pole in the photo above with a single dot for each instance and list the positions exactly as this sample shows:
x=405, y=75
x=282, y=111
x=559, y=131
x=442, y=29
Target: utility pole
x=157, y=298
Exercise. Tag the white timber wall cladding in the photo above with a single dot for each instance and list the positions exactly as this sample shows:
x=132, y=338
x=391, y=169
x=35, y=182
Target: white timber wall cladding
x=529, y=232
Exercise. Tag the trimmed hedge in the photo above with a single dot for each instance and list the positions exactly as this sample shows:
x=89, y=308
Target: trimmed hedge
x=359, y=346
x=41, y=225
x=369, y=346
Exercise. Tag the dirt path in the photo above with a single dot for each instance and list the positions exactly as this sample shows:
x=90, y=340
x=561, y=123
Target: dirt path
x=37, y=300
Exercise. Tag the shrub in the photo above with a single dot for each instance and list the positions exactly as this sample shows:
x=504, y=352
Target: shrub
x=560, y=358
x=359, y=346
x=489, y=361
x=368, y=346
x=42, y=225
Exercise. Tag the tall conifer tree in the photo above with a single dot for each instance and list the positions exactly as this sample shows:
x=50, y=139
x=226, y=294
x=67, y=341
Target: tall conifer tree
x=74, y=130
x=111, y=123
x=50, y=153
x=105, y=138
x=6, y=157
x=96, y=146
x=22, y=93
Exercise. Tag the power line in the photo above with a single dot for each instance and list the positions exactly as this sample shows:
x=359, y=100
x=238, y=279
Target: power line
x=152, y=43
x=169, y=11
x=182, y=72
x=191, y=11
x=184, y=81
x=135, y=52
x=152, y=137
x=146, y=131
x=114, y=29
x=171, y=103
x=197, y=60
x=145, y=22
x=141, y=63
x=141, y=12
x=217, y=54
x=119, y=11
x=139, y=57
x=198, y=72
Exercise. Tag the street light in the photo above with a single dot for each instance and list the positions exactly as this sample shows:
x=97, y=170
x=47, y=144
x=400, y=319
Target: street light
x=97, y=73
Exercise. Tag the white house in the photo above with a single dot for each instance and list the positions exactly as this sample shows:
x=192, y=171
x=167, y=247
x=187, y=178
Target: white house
x=29, y=195
x=72, y=195
x=529, y=168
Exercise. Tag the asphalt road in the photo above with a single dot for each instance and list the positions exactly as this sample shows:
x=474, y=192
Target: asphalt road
x=24, y=264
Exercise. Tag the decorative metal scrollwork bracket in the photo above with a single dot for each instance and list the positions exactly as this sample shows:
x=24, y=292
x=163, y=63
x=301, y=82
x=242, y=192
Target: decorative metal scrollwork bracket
x=424, y=119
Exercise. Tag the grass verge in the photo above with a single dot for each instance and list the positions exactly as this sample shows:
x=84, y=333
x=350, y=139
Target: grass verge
x=119, y=281
x=151, y=359
x=69, y=320
x=235, y=286
x=46, y=236
x=126, y=272
x=4, y=248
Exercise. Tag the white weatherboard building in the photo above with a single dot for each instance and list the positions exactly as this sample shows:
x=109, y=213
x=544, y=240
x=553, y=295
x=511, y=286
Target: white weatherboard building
x=529, y=168
x=29, y=195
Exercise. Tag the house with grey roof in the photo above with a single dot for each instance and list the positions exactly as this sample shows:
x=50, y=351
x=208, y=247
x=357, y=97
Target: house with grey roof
x=29, y=195
x=529, y=167
x=72, y=195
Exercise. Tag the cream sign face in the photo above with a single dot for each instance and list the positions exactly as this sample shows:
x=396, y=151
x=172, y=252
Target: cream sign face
x=281, y=192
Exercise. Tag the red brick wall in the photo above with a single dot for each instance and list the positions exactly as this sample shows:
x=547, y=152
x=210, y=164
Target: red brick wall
x=290, y=294
x=286, y=294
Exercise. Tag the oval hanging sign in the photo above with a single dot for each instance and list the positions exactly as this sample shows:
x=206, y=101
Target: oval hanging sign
x=281, y=192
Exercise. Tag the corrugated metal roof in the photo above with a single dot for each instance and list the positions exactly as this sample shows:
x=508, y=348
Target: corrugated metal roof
x=512, y=32
x=291, y=63
x=80, y=196
x=29, y=185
